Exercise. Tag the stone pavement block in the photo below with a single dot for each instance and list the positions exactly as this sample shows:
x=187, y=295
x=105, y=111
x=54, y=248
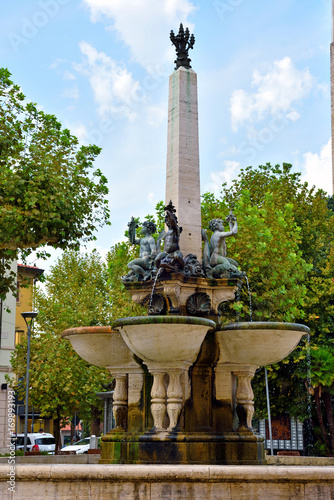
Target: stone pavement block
x=267, y=491
x=321, y=491
x=190, y=491
x=87, y=490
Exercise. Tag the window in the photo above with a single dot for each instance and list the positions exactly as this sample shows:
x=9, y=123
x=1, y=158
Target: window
x=45, y=441
x=20, y=441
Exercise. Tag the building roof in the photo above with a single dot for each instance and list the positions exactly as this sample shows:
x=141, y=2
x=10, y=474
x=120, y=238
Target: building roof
x=36, y=271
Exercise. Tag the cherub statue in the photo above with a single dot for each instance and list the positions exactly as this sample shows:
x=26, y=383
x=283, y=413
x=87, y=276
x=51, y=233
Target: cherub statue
x=171, y=259
x=142, y=267
x=215, y=261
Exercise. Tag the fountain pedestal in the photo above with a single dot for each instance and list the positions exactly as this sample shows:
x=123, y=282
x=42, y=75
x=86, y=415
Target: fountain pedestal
x=181, y=295
x=183, y=390
x=187, y=422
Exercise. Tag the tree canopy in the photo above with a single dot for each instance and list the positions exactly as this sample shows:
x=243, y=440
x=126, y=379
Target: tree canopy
x=50, y=191
x=75, y=293
x=285, y=245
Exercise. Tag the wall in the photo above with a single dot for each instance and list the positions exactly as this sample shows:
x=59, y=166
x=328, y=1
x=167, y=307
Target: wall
x=6, y=349
x=163, y=482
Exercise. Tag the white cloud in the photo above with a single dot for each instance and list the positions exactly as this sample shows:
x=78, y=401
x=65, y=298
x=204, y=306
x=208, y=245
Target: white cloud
x=141, y=23
x=80, y=131
x=69, y=76
x=115, y=90
x=227, y=175
x=58, y=62
x=276, y=92
x=71, y=93
x=156, y=114
x=151, y=198
x=318, y=168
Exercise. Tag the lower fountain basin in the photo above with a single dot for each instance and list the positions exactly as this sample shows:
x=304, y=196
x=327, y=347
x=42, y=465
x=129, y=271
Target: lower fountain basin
x=164, y=339
x=258, y=343
x=101, y=346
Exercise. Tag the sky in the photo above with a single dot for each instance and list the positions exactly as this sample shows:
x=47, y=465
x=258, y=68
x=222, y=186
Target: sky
x=102, y=67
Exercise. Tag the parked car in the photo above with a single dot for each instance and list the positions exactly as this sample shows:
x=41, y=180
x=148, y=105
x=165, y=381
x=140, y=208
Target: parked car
x=79, y=447
x=37, y=441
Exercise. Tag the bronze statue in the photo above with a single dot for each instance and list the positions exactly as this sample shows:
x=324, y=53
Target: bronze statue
x=215, y=261
x=171, y=259
x=183, y=42
x=142, y=267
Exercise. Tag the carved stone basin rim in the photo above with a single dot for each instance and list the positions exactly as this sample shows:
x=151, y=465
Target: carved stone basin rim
x=101, y=346
x=84, y=330
x=264, y=325
x=258, y=343
x=150, y=320
x=164, y=339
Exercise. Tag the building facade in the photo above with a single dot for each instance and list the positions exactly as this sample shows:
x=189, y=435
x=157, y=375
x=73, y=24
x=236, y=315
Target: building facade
x=7, y=345
x=13, y=327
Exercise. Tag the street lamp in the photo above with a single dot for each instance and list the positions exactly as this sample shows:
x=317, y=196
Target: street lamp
x=28, y=318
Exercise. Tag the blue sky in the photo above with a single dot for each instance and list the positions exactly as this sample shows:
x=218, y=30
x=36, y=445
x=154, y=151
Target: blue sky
x=102, y=67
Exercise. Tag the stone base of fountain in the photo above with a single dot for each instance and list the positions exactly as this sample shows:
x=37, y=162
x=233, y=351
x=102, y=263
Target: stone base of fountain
x=242, y=448
x=177, y=482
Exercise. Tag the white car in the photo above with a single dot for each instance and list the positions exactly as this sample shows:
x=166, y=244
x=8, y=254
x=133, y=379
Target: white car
x=79, y=447
x=36, y=441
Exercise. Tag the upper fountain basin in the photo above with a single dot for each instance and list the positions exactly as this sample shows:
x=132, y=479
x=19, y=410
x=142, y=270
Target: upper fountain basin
x=164, y=339
x=100, y=346
x=258, y=343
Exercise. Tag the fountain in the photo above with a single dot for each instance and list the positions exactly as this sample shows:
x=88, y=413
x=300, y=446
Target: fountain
x=183, y=391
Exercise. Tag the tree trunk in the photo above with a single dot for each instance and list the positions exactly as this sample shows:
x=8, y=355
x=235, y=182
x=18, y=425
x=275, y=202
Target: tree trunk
x=56, y=431
x=72, y=433
x=319, y=415
x=327, y=398
x=95, y=426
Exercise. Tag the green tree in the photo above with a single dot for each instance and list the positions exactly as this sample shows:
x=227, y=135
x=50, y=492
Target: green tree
x=61, y=383
x=285, y=246
x=267, y=249
x=75, y=293
x=121, y=304
x=50, y=191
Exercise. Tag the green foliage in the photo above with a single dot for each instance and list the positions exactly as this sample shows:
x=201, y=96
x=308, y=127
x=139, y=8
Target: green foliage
x=61, y=383
x=50, y=191
x=284, y=244
x=75, y=293
x=118, y=258
x=267, y=246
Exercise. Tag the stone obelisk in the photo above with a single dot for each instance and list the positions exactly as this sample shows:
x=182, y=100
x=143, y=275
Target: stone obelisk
x=182, y=170
x=332, y=91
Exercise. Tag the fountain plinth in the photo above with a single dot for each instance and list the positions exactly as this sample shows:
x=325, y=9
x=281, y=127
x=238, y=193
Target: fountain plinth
x=182, y=295
x=183, y=390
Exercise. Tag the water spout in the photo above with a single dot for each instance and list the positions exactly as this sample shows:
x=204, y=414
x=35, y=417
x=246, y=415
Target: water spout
x=153, y=289
x=250, y=299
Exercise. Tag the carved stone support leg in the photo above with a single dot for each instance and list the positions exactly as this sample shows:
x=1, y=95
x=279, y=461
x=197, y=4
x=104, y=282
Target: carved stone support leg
x=120, y=406
x=245, y=397
x=136, y=417
x=158, y=399
x=174, y=398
